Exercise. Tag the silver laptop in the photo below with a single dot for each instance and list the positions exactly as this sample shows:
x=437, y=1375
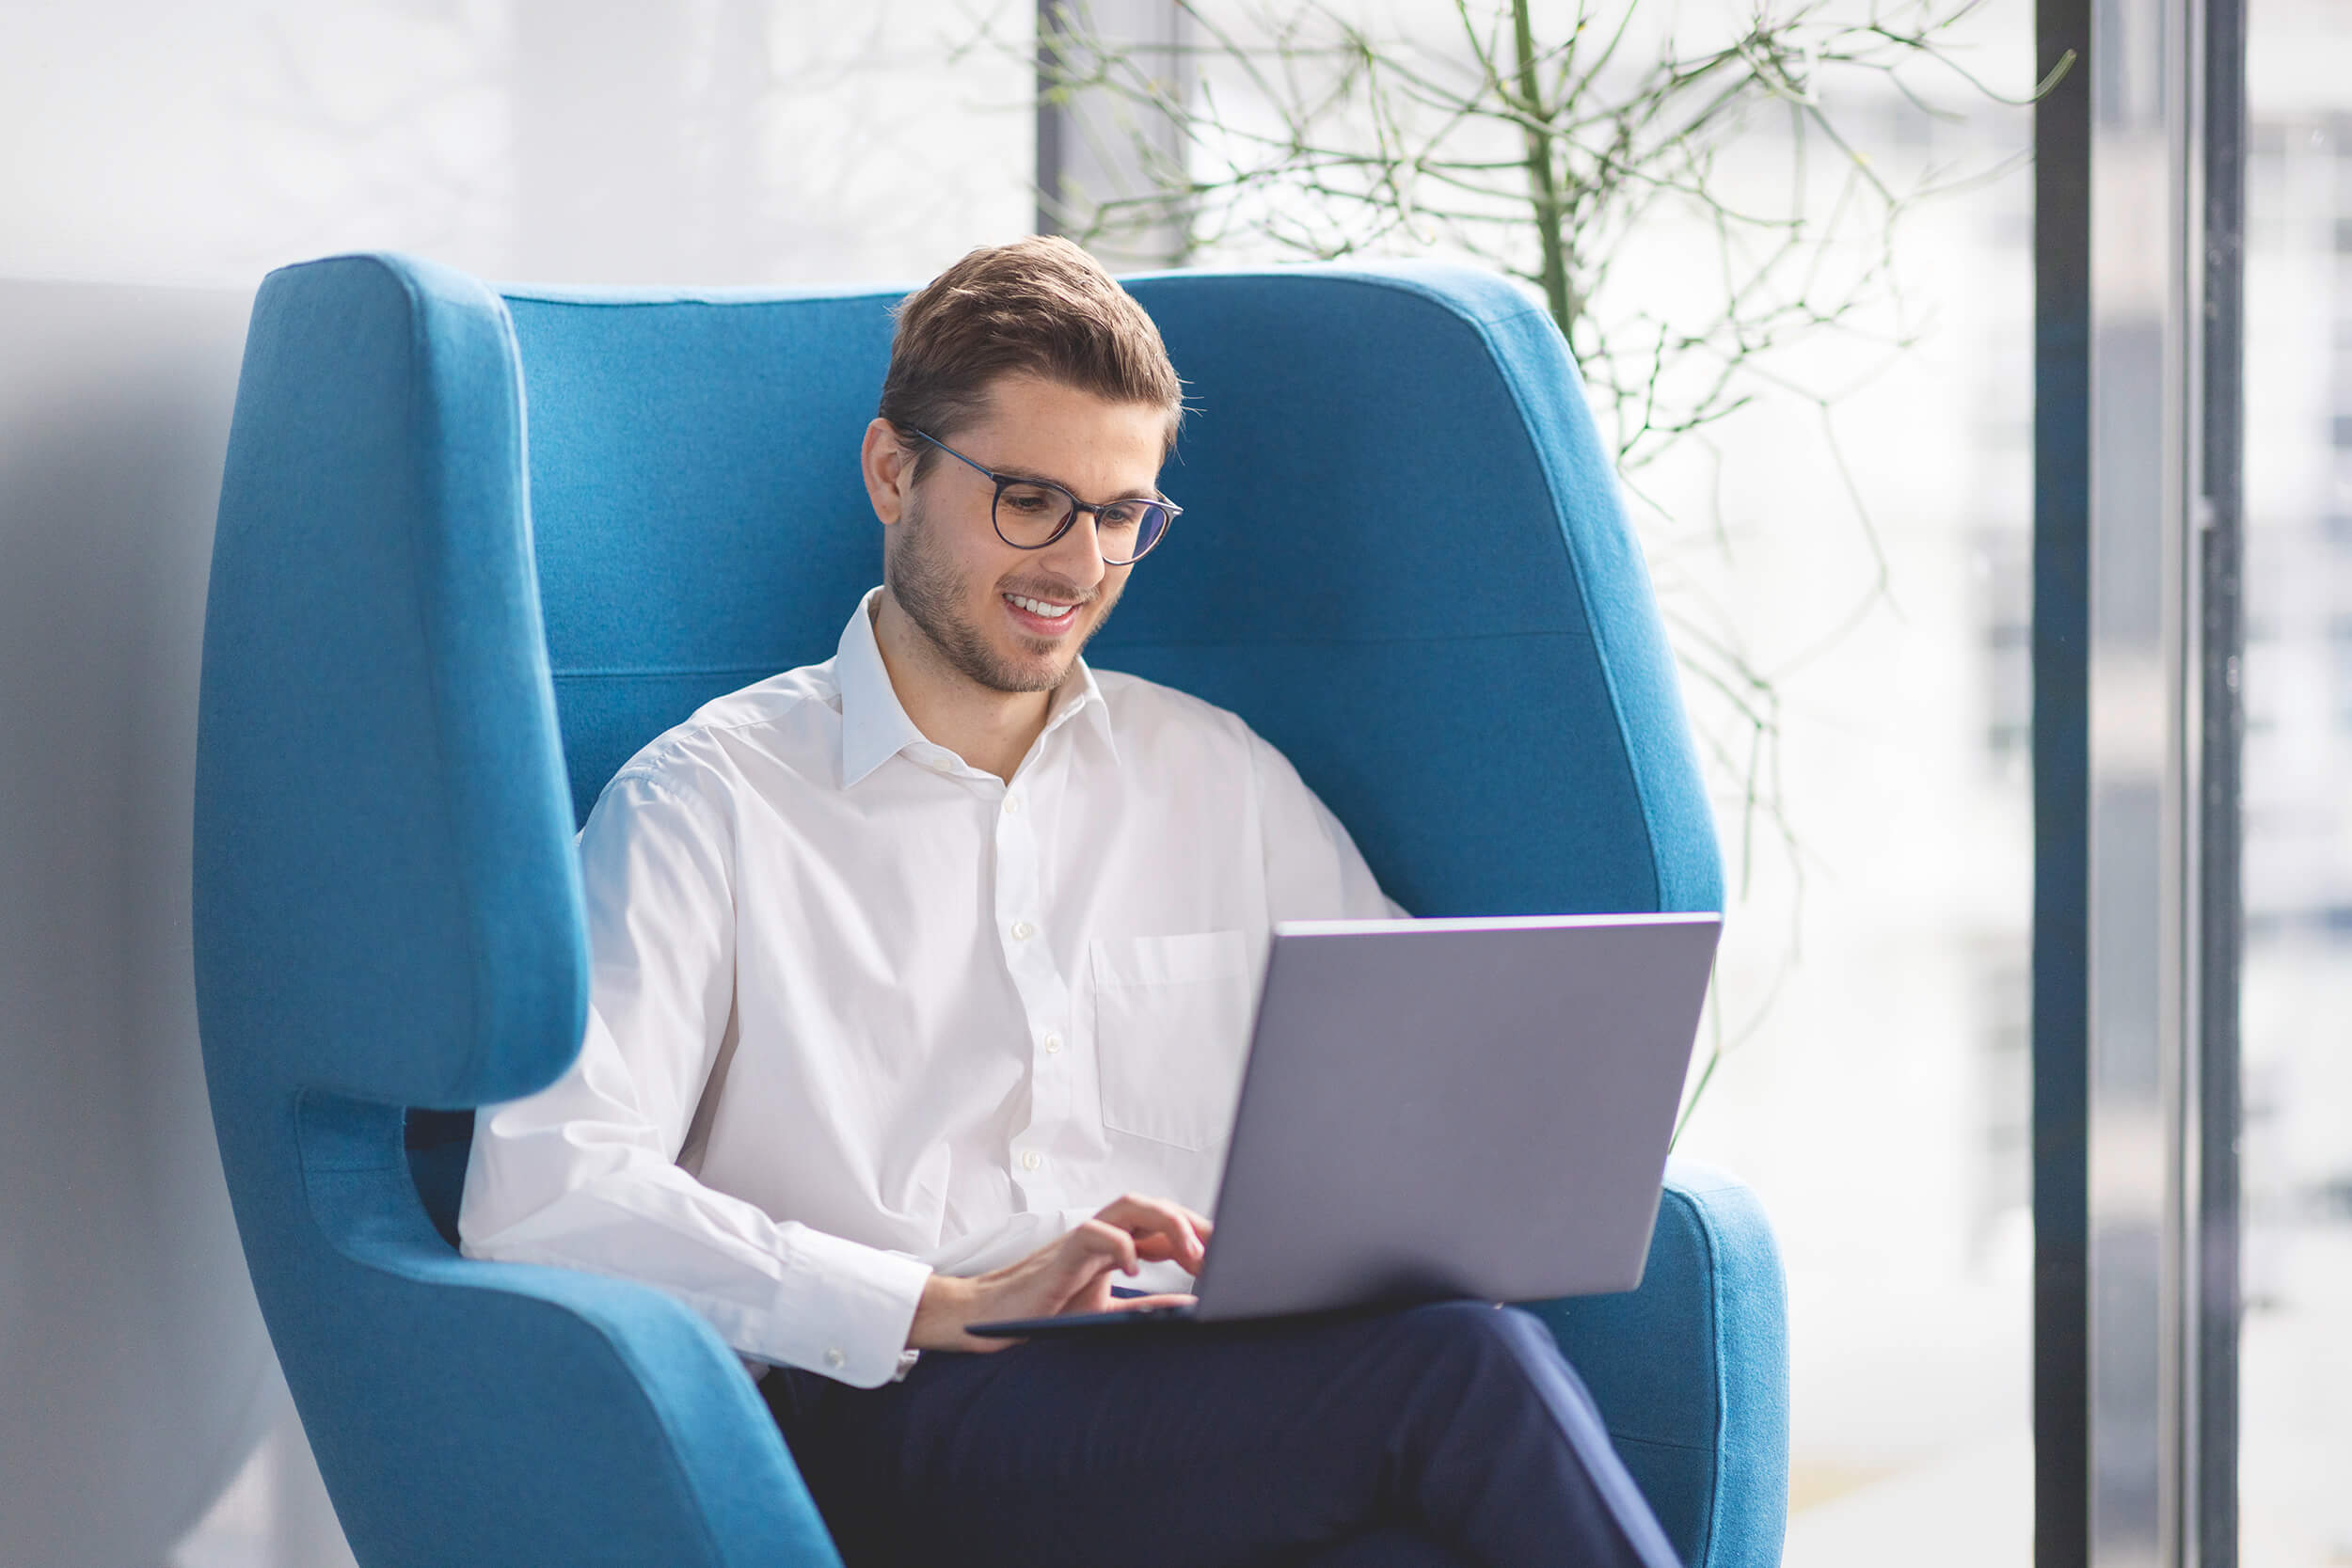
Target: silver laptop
x=1446, y=1108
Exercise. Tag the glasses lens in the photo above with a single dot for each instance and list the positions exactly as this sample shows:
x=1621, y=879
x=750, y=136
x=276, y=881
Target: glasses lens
x=1131, y=528
x=1030, y=515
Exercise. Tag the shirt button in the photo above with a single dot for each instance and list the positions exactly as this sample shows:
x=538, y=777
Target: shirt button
x=1023, y=930
x=1030, y=1159
x=1012, y=806
x=1052, y=1044
x=939, y=761
x=835, y=1359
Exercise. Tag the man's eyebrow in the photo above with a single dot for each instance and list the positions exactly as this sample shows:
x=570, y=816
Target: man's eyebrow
x=1149, y=493
x=1032, y=475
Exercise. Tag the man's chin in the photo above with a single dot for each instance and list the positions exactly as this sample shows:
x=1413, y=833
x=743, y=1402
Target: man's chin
x=1035, y=667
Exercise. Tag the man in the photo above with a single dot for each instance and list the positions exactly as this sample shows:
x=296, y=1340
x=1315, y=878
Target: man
x=908, y=965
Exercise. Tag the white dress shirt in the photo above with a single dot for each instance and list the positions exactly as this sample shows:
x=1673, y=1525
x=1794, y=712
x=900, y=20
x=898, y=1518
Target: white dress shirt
x=860, y=1011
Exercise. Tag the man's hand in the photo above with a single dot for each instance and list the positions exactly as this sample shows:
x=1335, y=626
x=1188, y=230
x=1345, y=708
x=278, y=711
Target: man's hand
x=1071, y=1275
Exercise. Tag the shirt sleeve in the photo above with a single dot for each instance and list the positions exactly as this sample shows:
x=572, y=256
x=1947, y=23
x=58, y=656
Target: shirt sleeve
x=1314, y=870
x=584, y=1175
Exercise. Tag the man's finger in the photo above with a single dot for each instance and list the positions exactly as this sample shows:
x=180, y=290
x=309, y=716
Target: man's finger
x=1136, y=1304
x=1151, y=1216
x=1101, y=1240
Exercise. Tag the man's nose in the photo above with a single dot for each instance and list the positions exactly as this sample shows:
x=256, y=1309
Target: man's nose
x=1079, y=553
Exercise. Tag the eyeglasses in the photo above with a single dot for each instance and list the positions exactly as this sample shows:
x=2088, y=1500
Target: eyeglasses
x=1031, y=514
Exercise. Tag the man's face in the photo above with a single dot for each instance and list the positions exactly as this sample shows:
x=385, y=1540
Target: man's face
x=1007, y=619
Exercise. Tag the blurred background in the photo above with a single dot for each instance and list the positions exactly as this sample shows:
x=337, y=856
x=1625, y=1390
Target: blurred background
x=1842, y=546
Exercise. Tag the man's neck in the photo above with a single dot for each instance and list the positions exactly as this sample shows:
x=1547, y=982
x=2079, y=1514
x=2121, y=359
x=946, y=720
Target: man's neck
x=991, y=730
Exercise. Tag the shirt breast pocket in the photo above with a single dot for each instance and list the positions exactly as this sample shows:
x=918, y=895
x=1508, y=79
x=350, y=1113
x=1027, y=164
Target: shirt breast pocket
x=1172, y=1031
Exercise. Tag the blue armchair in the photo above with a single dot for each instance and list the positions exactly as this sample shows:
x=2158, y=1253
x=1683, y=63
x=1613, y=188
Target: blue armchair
x=440, y=621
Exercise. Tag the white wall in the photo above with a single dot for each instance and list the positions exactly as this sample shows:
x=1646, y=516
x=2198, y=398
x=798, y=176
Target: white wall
x=704, y=141
x=132, y=1366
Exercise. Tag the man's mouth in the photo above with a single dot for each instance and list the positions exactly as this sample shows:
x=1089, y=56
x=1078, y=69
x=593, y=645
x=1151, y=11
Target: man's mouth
x=1047, y=615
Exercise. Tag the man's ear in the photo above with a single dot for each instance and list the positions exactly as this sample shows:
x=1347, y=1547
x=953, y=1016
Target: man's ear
x=889, y=470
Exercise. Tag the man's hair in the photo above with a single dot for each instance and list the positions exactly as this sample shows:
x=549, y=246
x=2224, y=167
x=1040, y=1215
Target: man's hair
x=1038, y=307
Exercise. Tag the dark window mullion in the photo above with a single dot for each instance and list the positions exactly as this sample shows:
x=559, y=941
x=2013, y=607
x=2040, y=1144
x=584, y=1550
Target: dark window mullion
x=2222, y=930
x=2061, y=766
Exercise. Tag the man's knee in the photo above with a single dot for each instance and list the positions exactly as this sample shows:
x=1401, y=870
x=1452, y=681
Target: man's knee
x=1476, y=1335
x=1485, y=1353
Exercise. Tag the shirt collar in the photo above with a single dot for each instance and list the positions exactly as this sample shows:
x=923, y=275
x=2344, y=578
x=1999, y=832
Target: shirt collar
x=1081, y=700
x=875, y=726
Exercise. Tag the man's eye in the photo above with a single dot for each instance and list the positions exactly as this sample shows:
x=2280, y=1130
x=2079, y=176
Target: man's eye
x=1027, y=502
x=1122, y=516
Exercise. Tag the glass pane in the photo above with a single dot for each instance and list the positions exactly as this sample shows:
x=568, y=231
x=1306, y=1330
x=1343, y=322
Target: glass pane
x=2295, y=1367
x=1874, y=999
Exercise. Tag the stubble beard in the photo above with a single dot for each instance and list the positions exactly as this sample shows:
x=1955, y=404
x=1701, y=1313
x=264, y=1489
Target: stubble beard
x=931, y=592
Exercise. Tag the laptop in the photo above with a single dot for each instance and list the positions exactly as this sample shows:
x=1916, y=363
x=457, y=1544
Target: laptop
x=1440, y=1109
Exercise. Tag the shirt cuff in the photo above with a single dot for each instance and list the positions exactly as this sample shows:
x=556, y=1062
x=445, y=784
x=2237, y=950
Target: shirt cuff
x=844, y=1309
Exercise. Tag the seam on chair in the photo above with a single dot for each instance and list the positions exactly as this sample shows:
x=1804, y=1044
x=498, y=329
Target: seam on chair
x=1486, y=332
x=1373, y=276
x=542, y=664
x=428, y=417
x=625, y=297
x=513, y=514
x=589, y=297
x=1278, y=642
x=649, y=673
x=1714, y=1242
x=1713, y=1449
x=422, y=419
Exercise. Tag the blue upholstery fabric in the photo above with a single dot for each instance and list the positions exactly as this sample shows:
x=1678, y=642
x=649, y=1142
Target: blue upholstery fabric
x=387, y=912
x=430, y=642
x=1404, y=561
x=1690, y=1370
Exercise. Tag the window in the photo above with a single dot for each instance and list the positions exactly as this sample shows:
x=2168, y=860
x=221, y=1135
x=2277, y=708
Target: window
x=2296, y=1377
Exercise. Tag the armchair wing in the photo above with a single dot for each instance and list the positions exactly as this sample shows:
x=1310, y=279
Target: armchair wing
x=387, y=914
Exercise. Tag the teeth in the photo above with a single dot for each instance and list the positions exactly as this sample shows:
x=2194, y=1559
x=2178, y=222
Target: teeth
x=1039, y=607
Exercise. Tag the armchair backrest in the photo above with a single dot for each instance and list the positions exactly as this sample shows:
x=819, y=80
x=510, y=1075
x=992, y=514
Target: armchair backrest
x=1402, y=558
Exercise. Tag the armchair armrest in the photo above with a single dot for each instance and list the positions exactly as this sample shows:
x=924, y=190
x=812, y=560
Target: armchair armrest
x=1690, y=1371
x=471, y=1413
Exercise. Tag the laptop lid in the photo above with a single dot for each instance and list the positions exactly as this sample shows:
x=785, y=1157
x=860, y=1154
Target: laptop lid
x=1440, y=1108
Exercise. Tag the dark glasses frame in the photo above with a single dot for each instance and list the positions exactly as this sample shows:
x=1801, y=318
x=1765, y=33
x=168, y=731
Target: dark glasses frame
x=1144, y=531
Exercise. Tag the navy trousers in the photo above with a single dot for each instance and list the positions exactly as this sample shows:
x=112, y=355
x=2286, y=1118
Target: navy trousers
x=1451, y=1434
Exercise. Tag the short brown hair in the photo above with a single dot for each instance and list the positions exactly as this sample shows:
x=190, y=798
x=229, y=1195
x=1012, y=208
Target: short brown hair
x=1038, y=307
